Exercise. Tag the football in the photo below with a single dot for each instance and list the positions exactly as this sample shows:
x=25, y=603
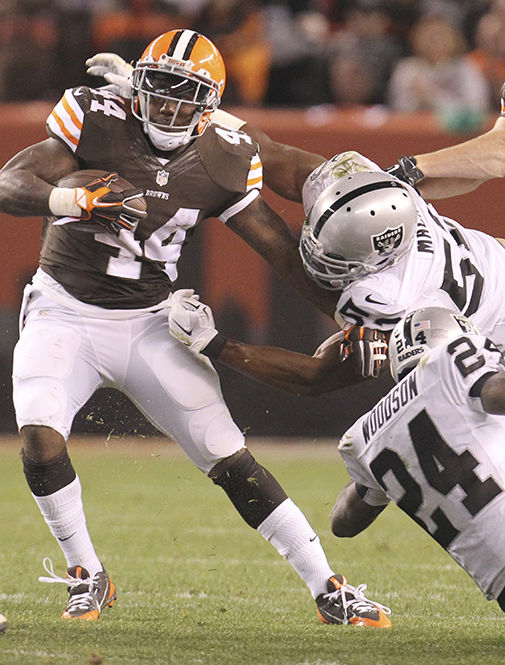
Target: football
x=85, y=177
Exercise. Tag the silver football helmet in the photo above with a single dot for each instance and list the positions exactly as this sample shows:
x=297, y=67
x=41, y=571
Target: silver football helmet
x=420, y=331
x=358, y=225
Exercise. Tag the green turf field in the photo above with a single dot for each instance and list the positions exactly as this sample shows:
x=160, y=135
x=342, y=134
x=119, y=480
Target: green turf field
x=197, y=586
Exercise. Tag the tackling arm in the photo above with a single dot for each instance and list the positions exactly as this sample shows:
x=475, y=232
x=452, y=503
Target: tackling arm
x=460, y=168
x=351, y=514
x=192, y=323
x=291, y=371
x=481, y=158
x=285, y=168
x=267, y=234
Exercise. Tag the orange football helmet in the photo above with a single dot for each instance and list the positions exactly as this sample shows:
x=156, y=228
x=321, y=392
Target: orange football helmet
x=176, y=86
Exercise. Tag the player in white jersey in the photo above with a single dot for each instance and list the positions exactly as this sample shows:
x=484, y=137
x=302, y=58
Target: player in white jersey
x=434, y=445
x=385, y=251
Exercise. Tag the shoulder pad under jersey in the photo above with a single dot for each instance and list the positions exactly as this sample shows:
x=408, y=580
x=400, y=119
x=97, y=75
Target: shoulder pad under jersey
x=230, y=159
x=81, y=109
x=225, y=119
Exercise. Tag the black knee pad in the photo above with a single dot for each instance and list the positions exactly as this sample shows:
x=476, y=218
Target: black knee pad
x=47, y=478
x=252, y=489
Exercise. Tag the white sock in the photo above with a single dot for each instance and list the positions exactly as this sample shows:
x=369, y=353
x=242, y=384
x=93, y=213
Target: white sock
x=290, y=533
x=64, y=515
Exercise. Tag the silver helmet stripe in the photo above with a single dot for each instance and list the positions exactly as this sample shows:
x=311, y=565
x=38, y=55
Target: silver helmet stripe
x=349, y=197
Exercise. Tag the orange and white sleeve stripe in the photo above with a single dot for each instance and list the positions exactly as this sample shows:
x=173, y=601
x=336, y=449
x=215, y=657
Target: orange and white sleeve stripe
x=255, y=175
x=66, y=120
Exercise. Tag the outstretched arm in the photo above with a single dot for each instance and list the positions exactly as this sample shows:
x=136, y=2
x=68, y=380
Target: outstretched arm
x=264, y=231
x=481, y=158
x=285, y=168
x=329, y=368
x=290, y=371
x=458, y=169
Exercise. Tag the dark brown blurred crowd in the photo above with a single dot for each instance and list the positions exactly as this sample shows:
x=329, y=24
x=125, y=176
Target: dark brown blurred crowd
x=408, y=55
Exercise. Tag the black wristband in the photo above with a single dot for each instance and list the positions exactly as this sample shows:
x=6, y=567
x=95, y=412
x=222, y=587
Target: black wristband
x=412, y=173
x=215, y=346
x=406, y=170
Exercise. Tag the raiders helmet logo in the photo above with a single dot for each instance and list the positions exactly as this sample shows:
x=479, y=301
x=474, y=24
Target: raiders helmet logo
x=387, y=241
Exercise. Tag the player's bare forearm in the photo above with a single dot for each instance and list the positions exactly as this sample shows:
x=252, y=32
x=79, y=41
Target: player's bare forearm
x=285, y=168
x=464, y=166
x=25, y=180
x=288, y=370
x=268, y=235
x=444, y=188
x=351, y=515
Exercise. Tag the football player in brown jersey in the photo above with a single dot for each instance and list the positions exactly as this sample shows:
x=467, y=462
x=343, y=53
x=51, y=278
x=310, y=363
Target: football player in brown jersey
x=95, y=313
x=285, y=167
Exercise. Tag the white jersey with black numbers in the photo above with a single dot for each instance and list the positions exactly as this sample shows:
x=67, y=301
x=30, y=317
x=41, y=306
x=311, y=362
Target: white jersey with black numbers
x=447, y=266
x=431, y=448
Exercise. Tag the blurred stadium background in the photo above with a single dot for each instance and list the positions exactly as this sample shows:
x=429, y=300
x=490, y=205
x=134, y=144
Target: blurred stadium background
x=298, y=96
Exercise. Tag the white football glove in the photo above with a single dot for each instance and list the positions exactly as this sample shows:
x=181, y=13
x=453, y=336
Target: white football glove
x=114, y=70
x=191, y=322
x=368, y=349
x=336, y=338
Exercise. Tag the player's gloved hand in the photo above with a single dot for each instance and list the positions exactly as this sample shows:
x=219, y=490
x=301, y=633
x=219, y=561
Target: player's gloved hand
x=192, y=322
x=502, y=100
x=406, y=170
x=180, y=294
x=97, y=202
x=367, y=348
x=114, y=70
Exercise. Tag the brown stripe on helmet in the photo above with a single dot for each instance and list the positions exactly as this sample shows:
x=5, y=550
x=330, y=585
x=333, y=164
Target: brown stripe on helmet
x=174, y=42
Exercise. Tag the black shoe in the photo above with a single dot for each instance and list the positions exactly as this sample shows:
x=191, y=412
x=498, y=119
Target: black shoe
x=347, y=604
x=87, y=595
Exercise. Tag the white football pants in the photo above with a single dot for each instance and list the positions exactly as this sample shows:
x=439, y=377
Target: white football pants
x=63, y=356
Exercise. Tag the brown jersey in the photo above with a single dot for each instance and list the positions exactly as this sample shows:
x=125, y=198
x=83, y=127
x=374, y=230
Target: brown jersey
x=217, y=175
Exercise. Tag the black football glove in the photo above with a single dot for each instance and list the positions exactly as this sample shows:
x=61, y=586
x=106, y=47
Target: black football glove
x=112, y=210
x=406, y=170
x=367, y=348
